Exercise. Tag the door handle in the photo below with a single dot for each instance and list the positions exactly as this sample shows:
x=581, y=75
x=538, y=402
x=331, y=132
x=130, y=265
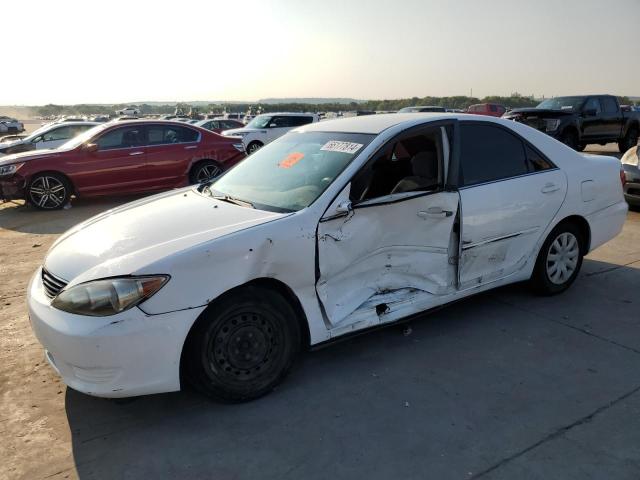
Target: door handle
x=135, y=153
x=190, y=147
x=434, y=212
x=550, y=188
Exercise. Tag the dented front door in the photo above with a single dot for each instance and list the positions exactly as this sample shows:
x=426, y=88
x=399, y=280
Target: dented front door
x=404, y=246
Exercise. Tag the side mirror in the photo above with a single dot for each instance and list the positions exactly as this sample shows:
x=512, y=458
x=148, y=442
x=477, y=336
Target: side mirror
x=344, y=207
x=591, y=112
x=90, y=147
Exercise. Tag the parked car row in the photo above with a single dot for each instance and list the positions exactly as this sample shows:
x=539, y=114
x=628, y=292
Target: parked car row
x=117, y=158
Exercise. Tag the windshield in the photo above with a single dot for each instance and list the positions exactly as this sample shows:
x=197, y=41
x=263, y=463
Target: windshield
x=83, y=137
x=562, y=103
x=261, y=121
x=290, y=173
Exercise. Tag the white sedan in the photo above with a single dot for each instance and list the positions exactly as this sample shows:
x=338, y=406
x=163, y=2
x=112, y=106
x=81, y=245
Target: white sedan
x=334, y=228
x=47, y=137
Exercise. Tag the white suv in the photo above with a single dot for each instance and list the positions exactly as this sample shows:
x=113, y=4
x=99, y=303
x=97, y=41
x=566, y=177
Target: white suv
x=267, y=127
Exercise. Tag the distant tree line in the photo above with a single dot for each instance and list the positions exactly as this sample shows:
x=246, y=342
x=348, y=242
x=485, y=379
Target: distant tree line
x=459, y=102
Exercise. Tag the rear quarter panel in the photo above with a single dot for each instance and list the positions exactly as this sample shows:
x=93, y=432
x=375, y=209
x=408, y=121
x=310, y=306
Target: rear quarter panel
x=594, y=189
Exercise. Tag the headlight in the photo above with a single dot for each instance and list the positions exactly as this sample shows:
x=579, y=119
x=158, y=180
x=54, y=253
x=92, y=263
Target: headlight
x=7, y=170
x=631, y=157
x=101, y=298
x=239, y=147
x=553, y=124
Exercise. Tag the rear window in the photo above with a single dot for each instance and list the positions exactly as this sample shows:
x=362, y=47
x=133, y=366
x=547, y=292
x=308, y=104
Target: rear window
x=609, y=105
x=165, y=134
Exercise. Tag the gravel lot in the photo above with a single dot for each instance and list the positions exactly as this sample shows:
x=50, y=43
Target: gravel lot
x=500, y=386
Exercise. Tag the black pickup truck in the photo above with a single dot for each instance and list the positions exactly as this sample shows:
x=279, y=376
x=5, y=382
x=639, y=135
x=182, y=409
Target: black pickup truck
x=580, y=120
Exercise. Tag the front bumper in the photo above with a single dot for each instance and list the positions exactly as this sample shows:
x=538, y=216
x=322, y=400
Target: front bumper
x=122, y=355
x=12, y=188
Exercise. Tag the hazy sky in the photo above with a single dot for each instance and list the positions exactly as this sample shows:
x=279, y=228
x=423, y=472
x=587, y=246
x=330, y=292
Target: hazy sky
x=90, y=51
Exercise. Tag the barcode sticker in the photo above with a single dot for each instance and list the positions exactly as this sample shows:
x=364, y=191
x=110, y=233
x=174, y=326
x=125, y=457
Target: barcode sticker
x=343, y=147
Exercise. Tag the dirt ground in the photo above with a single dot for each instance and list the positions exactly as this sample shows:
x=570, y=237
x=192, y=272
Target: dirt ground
x=503, y=385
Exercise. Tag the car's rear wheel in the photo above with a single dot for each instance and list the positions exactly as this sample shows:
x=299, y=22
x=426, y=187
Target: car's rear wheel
x=254, y=147
x=49, y=191
x=204, y=171
x=630, y=140
x=570, y=139
x=243, y=345
x=559, y=259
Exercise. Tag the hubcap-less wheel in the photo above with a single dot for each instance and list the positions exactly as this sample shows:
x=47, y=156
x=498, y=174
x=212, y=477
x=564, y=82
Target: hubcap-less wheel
x=47, y=192
x=562, y=258
x=207, y=172
x=244, y=347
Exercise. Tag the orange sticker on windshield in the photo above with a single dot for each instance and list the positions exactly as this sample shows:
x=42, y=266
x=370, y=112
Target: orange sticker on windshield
x=291, y=160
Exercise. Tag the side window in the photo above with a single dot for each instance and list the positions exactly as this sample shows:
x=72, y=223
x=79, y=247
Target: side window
x=125, y=137
x=593, y=104
x=408, y=164
x=493, y=108
x=490, y=153
x=165, y=134
x=62, y=133
x=609, y=105
x=301, y=120
x=281, y=122
x=535, y=161
x=228, y=125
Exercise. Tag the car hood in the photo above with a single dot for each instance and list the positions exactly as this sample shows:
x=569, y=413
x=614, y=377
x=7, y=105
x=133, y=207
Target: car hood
x=123, y=241
x=29, y=156
x=539, y=112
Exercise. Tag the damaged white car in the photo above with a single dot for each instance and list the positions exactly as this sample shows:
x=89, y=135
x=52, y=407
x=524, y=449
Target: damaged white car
x=334, y=228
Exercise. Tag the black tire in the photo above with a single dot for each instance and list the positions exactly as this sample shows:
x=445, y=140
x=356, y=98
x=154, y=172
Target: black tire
x=570, y=139
x=204, y=171
x=49, y=191
x=630, y=140
x=541, y=279
x=254, y=147
x=581, y=147
x=243, y=346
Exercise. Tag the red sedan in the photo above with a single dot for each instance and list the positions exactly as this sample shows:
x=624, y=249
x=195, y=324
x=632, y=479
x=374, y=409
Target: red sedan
x=118, y=158
x=490, y=109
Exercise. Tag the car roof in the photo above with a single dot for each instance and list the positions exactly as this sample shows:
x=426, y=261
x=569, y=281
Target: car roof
x=376, y=124
x=74, y=123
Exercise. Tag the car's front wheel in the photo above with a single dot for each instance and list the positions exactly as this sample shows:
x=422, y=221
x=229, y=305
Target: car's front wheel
x=570, y=139
x=243, y=345
x=630, y=140
x=49, y=191
x=559, y=260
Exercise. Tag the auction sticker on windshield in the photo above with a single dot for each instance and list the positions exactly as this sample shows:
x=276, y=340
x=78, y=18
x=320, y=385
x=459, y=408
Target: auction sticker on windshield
x=343, y=147
x=291, y=160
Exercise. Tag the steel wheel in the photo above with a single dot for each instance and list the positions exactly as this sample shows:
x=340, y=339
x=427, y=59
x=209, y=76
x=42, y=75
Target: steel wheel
x=48, y=192
x=562, y=258
x=244, y=346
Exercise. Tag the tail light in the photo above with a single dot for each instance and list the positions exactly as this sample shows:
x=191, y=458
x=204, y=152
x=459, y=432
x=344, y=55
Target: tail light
x=623, y=178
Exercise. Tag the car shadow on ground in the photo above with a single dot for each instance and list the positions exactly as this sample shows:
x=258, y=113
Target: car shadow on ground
x=21, y=217
x=470, y=386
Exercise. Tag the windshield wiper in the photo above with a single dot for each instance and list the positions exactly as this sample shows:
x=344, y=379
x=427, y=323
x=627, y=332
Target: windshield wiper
x=230, y=199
